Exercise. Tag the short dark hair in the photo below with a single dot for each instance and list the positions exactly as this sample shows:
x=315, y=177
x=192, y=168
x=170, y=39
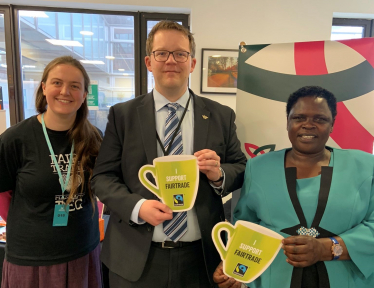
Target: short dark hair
x=170, y=25
x=312, y=91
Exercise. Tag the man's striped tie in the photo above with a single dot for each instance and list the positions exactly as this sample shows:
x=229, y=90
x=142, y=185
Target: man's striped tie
x=176, y=227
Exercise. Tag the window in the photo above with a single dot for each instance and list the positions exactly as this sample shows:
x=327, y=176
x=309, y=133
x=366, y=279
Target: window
x=343, y=29
x=106, y=42
x=92, y=46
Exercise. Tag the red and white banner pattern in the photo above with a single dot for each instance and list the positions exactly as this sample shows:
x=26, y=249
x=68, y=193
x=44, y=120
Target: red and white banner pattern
x=268, y=74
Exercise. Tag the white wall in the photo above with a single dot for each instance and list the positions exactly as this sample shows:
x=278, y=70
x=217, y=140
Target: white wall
x=224, y=23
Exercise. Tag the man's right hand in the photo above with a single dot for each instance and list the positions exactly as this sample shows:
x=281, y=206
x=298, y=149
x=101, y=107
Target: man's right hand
x=155, y=212
x=223, y=281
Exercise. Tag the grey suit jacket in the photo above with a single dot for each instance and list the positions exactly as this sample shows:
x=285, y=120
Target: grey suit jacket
x=129, y=143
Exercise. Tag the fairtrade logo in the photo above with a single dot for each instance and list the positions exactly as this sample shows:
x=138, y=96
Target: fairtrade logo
x=257, y=150
x=240, y=269
x=178, y=200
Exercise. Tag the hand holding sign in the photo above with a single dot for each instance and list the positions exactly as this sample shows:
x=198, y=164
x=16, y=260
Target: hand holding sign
x=154, y=212
x=224, y=281
x=209, y=163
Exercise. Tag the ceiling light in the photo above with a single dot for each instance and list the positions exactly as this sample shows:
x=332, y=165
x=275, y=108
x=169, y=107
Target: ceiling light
x=3, y=65
x=28, y=66
x=86, y=33
x=64, y=42
x=126, y=74
x=35, y=14
x=215, y=56
x=110, y=57
x=92, y=62
x=121, y=69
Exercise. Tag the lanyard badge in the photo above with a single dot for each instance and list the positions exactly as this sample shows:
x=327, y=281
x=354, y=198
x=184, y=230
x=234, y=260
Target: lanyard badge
x=61, y=213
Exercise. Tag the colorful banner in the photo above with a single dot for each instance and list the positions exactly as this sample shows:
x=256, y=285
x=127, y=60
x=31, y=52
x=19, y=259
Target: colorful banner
x=268, y=74
x=177, y=180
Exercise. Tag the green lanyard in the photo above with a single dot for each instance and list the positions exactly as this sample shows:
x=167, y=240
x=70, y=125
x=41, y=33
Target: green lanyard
x=63, y=183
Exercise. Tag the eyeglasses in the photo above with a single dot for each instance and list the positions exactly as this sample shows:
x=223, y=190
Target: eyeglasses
x=163, y=56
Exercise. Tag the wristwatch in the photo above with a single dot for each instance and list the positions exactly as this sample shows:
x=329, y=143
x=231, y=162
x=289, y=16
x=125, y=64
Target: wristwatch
x=220, y=178
x=336, y=249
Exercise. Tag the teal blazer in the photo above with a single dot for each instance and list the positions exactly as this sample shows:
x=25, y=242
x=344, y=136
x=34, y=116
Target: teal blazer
x=349, y=213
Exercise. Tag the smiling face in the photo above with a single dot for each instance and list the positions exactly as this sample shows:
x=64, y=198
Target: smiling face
x=64, y=91
x=309, y=125
x=171, y=77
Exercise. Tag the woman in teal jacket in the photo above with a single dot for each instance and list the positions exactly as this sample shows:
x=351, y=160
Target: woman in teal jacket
x=320, y=199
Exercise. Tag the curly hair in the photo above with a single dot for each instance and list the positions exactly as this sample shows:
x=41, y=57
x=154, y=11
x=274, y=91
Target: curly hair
x=312, y=91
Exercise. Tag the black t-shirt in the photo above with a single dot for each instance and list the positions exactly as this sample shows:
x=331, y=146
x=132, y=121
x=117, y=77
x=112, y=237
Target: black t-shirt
x=27, y=168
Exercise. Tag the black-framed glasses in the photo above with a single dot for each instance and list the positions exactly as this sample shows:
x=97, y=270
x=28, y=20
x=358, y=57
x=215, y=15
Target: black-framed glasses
x=163, y=55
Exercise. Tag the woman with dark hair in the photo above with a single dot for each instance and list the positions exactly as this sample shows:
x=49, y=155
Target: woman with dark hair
x=47, y=160
x=320, y=199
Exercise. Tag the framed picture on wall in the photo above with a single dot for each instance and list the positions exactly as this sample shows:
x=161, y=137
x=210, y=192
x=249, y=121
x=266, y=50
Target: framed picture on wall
x=219, y=71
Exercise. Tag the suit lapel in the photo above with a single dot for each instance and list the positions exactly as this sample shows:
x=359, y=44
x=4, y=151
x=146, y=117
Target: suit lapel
x=146, y=114
x=201, y=123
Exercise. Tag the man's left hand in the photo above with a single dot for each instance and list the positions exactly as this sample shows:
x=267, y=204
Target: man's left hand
x=209, y=163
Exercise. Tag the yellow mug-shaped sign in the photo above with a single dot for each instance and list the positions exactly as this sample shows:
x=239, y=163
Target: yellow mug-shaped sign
x=177, y=180
x=250, y=249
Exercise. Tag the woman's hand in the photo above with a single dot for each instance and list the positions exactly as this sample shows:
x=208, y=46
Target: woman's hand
x=224, y=281
x=303, y=251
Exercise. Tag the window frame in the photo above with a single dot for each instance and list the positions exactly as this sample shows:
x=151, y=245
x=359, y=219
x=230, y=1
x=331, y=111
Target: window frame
x=15, y=107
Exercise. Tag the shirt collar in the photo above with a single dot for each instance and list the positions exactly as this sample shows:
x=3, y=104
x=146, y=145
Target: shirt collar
x=161, y=101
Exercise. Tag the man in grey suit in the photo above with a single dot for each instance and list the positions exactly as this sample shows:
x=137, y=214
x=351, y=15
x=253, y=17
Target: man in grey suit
x=138, y=248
